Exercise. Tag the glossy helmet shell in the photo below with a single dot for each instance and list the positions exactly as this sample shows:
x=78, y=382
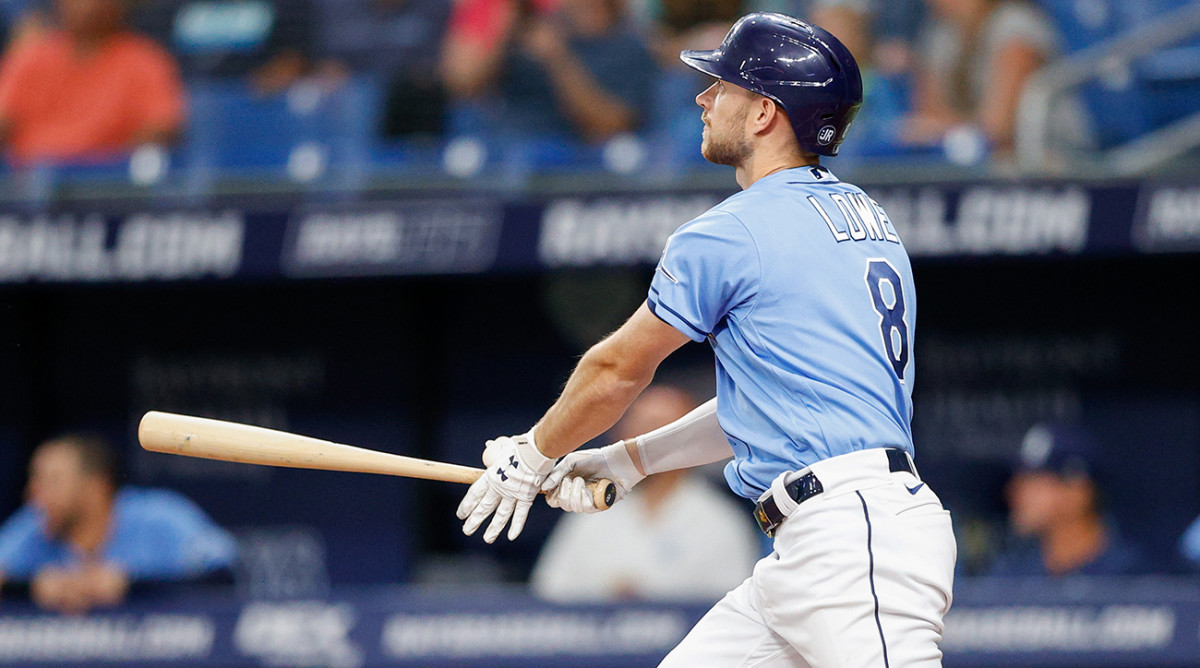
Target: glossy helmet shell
x=800, y=66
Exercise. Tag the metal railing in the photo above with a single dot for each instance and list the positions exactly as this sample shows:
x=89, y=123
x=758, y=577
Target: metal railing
x=1037, y=150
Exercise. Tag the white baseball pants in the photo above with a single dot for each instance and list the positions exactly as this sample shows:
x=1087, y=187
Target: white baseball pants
x=861, y=576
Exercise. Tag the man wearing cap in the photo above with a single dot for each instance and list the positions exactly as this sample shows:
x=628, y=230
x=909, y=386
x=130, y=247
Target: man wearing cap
x=1054, y=499
x=802, y=288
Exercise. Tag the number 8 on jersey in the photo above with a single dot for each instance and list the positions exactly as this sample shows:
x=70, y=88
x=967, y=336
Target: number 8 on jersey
x=887, y=294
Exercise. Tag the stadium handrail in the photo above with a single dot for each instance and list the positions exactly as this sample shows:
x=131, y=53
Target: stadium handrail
x=1036, y=152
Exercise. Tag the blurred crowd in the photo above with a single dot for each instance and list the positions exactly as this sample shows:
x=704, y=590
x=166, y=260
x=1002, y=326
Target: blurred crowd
x=86, y=539
x=87, y=81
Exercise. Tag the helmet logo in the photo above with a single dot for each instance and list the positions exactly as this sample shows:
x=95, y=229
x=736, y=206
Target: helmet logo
x=826, y=134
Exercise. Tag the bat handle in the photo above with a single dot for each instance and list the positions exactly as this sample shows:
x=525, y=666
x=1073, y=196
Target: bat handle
x=604, y=493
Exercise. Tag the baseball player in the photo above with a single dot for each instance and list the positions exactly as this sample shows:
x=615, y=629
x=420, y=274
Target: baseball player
x=804, y=291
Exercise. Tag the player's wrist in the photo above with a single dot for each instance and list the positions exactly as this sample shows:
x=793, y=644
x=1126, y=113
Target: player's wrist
x=624, y=471
x=529, y=453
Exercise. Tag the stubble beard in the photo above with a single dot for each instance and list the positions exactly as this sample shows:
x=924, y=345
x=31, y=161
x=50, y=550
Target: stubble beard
x=60, y=527
x=732, y=149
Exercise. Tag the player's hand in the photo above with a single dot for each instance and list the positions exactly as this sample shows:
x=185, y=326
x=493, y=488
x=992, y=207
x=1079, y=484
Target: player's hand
x=61, y=590
x=544, y=42
x=515, y=471
x=107, y=583
x=566, y=486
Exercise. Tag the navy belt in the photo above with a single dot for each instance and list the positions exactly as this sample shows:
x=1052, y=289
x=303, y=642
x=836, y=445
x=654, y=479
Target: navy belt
x=767, y=512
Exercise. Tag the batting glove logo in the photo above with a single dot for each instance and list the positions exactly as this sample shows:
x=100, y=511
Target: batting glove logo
x=507, y=490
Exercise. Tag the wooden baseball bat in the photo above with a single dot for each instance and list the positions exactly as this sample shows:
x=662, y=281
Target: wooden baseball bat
x=236, y=442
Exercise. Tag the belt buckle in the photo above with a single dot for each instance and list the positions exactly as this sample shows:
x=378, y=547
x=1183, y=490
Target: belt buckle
x=768, y=527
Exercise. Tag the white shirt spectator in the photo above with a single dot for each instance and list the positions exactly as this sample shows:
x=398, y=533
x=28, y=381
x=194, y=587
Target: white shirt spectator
x=696, y=545
x=967, y=66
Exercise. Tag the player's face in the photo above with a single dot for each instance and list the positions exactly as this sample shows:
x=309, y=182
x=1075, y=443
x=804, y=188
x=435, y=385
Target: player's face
x=657, y=406
x=963, y=12
x=55, y=480
x=726, y=108
x=89, y=17
x=1038, y=501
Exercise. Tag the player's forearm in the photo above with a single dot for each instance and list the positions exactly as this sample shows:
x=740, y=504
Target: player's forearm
x=695, y=439
x=159, y=134
x=998, y=113
x=606, y=381
x=468, y=70
x=595, y=111
x=106, y=584
x=596, y=395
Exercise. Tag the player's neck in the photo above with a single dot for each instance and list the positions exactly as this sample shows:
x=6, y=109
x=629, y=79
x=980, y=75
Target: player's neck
x=760, y=165
x=91, y=532
x=1074, y=545
x=88, y=43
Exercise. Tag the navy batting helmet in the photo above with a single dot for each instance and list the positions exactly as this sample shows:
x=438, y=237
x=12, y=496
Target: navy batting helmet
x=800, y=66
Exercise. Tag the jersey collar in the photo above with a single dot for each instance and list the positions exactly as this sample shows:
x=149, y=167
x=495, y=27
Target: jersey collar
x=805, y=174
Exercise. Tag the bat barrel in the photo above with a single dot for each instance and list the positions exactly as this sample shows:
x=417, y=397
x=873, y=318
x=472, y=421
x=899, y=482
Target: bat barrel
x=234, y=442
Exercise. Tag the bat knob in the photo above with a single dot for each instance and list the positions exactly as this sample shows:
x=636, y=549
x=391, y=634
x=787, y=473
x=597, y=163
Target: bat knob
x=604, y=493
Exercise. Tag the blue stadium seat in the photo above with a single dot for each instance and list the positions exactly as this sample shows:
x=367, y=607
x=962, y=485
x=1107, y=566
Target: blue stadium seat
x=314, y=132
x=363, y=521
x=1171, y=76
x=1154, y=91
x=1083, y=23
x=407, y=154
x=673, y=127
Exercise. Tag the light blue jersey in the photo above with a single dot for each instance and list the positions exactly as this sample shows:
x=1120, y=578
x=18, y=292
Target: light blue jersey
x=805, y=292
x=156, y=534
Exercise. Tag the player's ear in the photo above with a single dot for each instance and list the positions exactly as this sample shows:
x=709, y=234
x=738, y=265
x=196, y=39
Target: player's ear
x=763, y=113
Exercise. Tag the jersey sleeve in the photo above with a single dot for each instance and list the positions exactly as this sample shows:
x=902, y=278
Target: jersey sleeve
x=16, y=68
x=574, y=547
x=1189, y=544
x=1024, y=25
x=709, y=269
x=165, y=536
x=22, y=551
x=161, y=95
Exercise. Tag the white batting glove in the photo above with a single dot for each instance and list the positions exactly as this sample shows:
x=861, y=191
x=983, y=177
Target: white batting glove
x=565, y=487
x=508, y=488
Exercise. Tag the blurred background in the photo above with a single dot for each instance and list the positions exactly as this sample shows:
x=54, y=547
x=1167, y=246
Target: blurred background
x=398, y=223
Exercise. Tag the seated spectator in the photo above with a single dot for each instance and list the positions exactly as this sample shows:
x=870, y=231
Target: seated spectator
x=895, y=31
x=976, y=58
x=267, y=43
x=673, y=26
x=877, y=126
x=1054, y=499
x=477, y=42
x=80, y=542
x=684, y=24
x=680, y=537
x=22, y=18
x=1189, y=545
x=89, y=92
x=397, y=40
x=576, y=72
